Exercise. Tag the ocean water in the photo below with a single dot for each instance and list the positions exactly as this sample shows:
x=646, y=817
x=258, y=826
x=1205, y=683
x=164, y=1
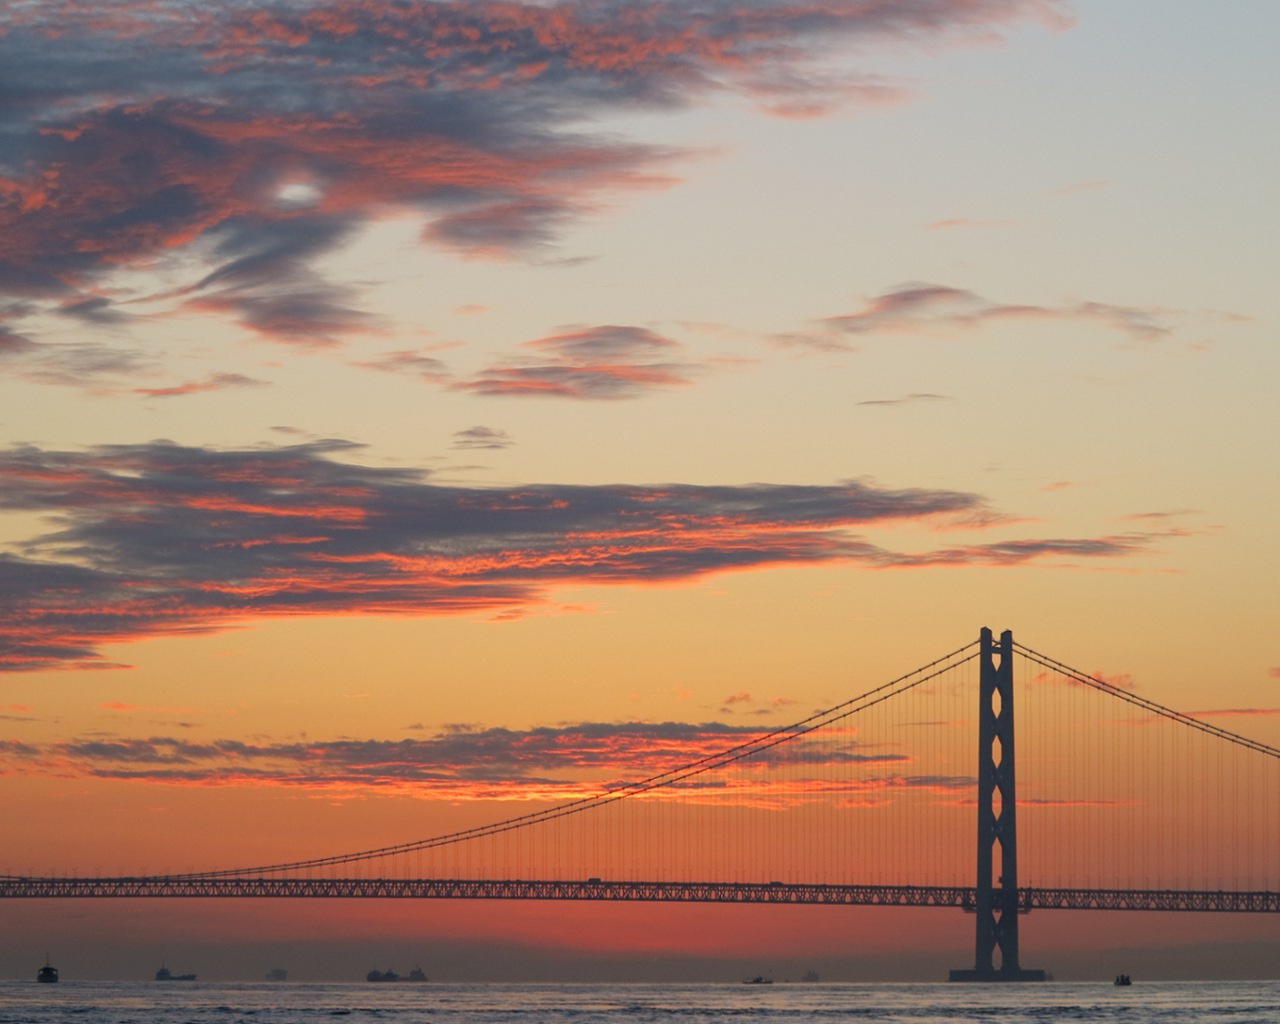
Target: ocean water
x=27, y=1002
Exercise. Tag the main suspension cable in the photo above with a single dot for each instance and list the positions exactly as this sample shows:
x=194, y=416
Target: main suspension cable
x=764, y=741
x=1148, y=705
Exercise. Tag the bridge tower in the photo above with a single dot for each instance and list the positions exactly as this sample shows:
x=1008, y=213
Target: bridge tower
x=996, y=907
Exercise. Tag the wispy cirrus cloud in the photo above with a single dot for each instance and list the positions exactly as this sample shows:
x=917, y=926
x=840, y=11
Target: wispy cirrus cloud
x=1042, y=801
x=745, y=701
x=1164, y=516
x=97, y=309
x=918, y=309
x=235, y=145
x=164, y=539
x=1022, y=552
x=411, y=363
x=214, y=382
x=1116, y=680
x=595, y=363
x=265, y=280
x=481, y=438
x=907, y=399
x=13, y=343
x=915, y=307
x=91, y=366
x=1236, y=713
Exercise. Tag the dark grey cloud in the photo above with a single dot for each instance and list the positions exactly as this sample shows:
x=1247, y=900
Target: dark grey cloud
x=96, y=310
x=266, y=281
x=161, y=538
x=18, y=751
x=462, y=762
x=238, y=142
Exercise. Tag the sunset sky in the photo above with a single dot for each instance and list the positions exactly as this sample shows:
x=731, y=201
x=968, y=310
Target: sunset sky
x=412, y=411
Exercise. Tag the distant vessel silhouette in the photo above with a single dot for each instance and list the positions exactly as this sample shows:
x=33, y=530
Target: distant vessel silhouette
x=810, y=976
x=277, y=974
x=759, y=979
x=47, y=973
x=414, y=975
x=1123, y=979
x=164, y=974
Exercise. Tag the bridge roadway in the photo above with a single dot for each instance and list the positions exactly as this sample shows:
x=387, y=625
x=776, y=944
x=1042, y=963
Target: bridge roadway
x=957, y=897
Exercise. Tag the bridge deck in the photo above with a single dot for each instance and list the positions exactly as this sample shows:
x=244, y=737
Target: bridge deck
x=956, y=897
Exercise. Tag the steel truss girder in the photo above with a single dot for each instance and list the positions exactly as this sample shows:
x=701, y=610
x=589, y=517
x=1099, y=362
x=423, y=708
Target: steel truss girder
x=955, y=897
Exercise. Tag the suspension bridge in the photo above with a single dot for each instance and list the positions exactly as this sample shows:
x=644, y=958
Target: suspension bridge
x=1129, y=805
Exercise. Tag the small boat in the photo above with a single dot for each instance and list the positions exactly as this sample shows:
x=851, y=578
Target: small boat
x=277, y=974
x=759, y=979
x=164, y=974
x=1123, y=979
x=48, y=973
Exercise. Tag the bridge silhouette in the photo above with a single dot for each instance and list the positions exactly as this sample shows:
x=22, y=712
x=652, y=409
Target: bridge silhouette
x=1180, y=799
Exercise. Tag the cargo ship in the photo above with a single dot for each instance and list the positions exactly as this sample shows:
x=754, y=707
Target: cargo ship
x=414, y=975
